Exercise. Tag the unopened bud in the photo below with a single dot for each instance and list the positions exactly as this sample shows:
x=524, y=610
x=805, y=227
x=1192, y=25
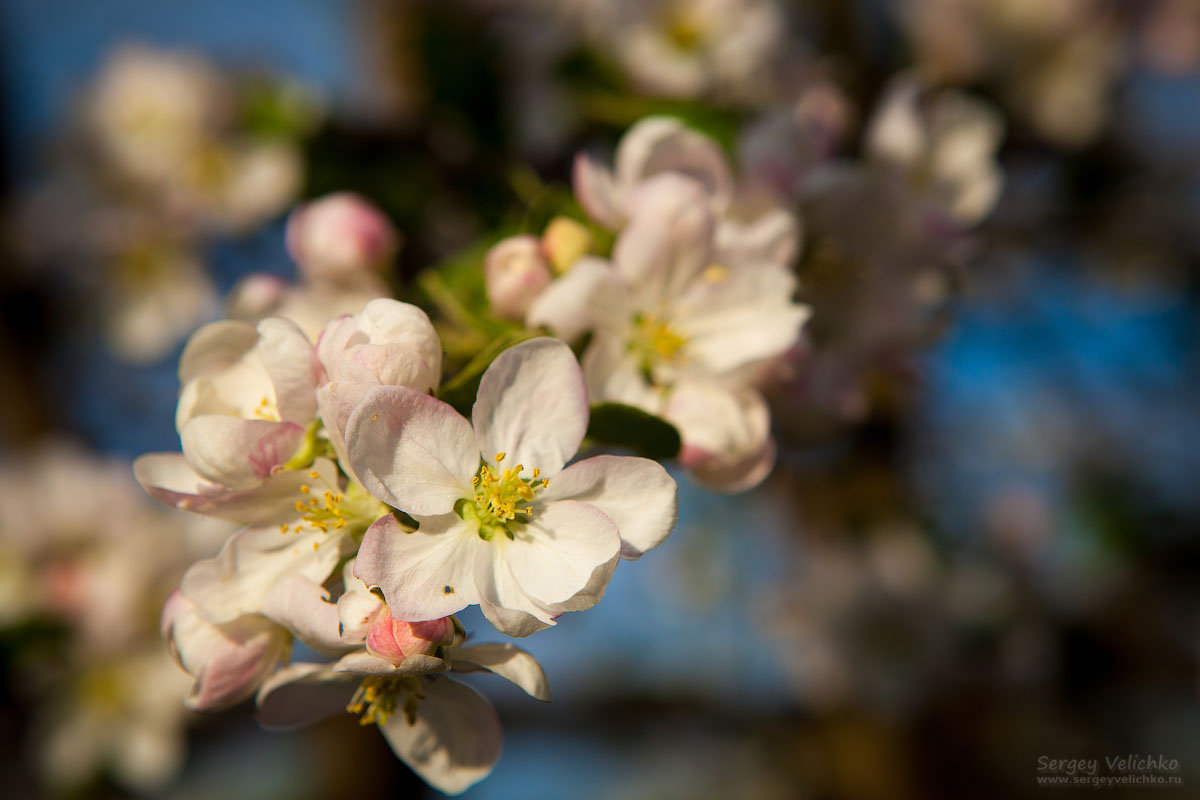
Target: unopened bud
x=564, y=241
x=516, y=272
x=340, y=236
x=396, y=639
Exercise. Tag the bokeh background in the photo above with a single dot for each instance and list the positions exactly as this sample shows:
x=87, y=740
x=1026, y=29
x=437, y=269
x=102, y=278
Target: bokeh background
x=980, y=548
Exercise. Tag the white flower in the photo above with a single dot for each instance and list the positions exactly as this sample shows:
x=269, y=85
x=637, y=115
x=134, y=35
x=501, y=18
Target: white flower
x=449, y=734
x=247, y=406
x=947, y=148
x=671, y=310
x=525, y=542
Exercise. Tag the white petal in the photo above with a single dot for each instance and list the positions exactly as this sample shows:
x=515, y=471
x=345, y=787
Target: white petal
x=302, y=693
x=667, y=242
x=553, y=558
x=455, y=739
x=591, y=295
x=532, y=405
x=304, y=608
x=215, y=347
x=169, y=478
x=238, y=453
x=597, y=192
x=662, y=144
x=635, y=493
x=509, y=662
x=292, y=363
x=412, y=451
x=727, y=340
x=253, y=562
x=425, y=574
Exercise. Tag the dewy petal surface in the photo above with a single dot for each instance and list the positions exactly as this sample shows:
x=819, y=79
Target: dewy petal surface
x=412, y=451
x=637, y=494
x=425, y=574
x=455, y=739
x=553, y=557
x=532, y=405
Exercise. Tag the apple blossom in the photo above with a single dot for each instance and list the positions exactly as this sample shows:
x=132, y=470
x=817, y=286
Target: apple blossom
x=671, y=310
x=525, y=542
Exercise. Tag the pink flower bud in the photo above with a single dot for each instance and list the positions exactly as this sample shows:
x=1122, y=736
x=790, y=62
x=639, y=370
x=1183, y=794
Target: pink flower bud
x=338, y=237
x=396, y=640
x=516, y=272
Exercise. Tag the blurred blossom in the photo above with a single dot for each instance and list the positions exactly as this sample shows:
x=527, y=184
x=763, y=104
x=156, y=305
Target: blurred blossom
x=339, y=238
x=516, y=271
x=84, y=550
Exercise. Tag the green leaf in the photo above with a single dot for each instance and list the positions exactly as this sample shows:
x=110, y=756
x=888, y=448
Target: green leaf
x=625, y=426
x=460, y=390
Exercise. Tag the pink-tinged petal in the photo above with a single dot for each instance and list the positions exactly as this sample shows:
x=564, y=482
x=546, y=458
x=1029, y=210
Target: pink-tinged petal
x=657, y=145
x=552, y=559
x=637, y=494
x=304, y=608
x=727, y=340
x=726, y=476
x=592, y=295
x=216, y=347
x=412, y=451
x=597, y=192
x=253, y=562
x=453, y=742
x=169, y=478
x=302, y=693
x=402, y=328
x=291, y=361
x=396, y=639
x=509, y=662
x=238, y=453
x=425, y=574
x=726, y=434
x=515, y=272
x=228, y=661
x=361, y=662
x=532, y=405
x=335, y=338
x=668, y=241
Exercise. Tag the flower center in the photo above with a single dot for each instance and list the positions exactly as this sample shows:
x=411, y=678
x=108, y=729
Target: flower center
x=500, y=498
x=333, y=509
x=378, y=697
x=655, y=342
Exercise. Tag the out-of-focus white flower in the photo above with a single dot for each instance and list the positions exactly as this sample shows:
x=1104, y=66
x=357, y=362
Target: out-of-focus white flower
x=674, y=308
x=526, y=542
x=339, y=237
x=729, y=447
x=257, y=181
x=723, y=49
x=515, y=271
x=122, y=715
x=151, y=109
x=946, y=148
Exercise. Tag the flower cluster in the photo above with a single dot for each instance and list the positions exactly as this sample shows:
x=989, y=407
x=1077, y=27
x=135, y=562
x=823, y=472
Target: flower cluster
x=696, y=298
x=375, y=512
